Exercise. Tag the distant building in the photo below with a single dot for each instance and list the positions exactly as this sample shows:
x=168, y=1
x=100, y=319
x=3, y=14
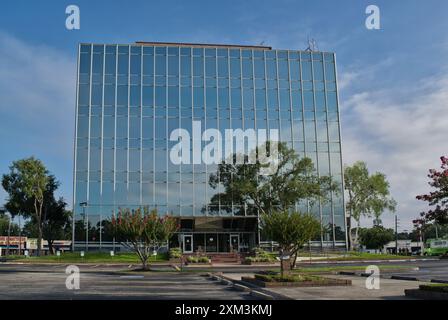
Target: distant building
x=404, y=247
x=30, y=244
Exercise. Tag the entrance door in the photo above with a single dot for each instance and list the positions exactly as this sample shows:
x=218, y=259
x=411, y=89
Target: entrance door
x=188, y=243
x=234, y=243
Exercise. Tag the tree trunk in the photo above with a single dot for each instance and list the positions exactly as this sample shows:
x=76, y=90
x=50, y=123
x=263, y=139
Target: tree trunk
x=349, y=230
x=282, y=271
x=285, y=264
x=357, y=234
x=294, y=260
x=38, y=212
x=50, y=246
x=145, y=265
x=39, y=239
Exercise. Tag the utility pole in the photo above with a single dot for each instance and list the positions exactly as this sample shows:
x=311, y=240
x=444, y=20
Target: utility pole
x=437, y=231
x=396, y=235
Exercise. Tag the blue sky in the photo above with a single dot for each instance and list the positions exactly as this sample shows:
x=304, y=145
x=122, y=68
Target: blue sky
x=393, y=81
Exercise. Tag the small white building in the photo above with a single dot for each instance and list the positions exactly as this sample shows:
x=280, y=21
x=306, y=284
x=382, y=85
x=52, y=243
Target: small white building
x=404, y=247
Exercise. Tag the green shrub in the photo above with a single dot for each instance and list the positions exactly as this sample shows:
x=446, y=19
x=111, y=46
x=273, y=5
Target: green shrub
x=193, y=259
x=286, y=278
x=175, y=253
x=260, y=255
x=203, y=260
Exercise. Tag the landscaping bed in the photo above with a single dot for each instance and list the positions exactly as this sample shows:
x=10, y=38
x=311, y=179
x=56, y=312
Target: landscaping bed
x=434, y=287
x=429, y=292
x=260, y=257
x=270, y=280
x=253, y=261
x=197, y=260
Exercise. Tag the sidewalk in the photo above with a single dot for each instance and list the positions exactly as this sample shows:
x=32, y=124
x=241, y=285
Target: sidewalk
x=389, y=289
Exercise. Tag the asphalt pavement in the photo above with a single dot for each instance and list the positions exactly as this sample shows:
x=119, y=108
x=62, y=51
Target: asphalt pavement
x=48, y=281
x=36, y=282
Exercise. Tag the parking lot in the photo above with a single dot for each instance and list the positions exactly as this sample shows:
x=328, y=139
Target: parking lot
x=48, y=282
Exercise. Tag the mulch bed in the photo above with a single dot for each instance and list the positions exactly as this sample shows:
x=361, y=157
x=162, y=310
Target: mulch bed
x=324, y=282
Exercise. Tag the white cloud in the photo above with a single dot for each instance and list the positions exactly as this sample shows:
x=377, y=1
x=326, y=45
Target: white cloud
x=37, y=106
x=401, y=133
x=347, y=78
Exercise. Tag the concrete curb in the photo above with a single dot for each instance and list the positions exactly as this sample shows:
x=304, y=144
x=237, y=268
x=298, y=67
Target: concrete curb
x=406, y=278
x=240, y=287
x=237, y=286
x=439, y=281
x=261, y=295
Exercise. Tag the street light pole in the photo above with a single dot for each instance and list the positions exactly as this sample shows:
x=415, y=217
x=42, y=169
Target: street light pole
x=86, y=223
x=9, y=235
x=20, y=236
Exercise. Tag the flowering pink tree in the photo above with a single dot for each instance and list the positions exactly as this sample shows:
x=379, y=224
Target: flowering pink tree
x=143, y=231
x=438, y=199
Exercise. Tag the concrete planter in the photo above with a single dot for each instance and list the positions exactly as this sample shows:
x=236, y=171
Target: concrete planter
x=324, y=283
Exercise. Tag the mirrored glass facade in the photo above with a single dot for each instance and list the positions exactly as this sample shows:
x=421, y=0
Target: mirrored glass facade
x=131, y=97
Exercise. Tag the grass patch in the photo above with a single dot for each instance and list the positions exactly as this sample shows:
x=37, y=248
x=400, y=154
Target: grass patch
x=369, y=256
x=89, y=257
x=347, y=268
x=353, y=255
x=436, y=287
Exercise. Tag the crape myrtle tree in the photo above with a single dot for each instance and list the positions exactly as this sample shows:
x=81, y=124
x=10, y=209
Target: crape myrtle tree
x=291, y=230
x=272, y=196
x=26, y=184
x=143, y=231
x=368, y=196
x=438, y=199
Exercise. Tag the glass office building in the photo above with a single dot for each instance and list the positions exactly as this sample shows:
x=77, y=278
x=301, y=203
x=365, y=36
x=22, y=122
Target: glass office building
x=131, y=97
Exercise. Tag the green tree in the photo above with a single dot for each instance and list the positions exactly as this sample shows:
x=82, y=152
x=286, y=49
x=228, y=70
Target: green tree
x=376, y=237
x=291, y=230
x=246, y=188
x=143, y=231
x=56, y=222
x=424, y=231
x=4, y=226
x=368, y=195
x=26, y=185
